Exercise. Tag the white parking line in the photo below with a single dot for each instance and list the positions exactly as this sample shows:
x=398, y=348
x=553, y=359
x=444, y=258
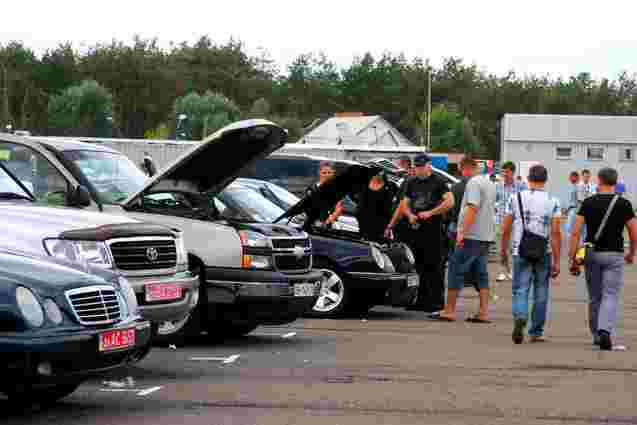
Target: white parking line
x=287, y=335
x=149, y=391
x=225, y=360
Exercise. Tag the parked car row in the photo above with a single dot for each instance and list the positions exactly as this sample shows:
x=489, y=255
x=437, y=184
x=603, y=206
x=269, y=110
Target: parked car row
x=98, y=261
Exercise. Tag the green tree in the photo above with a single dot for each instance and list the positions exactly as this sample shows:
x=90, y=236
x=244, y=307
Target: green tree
x=84, y=108
x=206, y=113
x=451, y=132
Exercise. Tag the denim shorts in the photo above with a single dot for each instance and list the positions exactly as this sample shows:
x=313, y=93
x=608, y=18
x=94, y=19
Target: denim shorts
x=473, y=256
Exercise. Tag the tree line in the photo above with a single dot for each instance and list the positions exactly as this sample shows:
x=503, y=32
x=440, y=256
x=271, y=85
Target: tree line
x=137, y=89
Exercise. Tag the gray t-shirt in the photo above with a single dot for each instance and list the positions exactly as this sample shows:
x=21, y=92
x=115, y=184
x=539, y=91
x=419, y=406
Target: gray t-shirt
x=481, y=193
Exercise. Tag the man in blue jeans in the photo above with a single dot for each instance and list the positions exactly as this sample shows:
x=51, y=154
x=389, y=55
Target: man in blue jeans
x=541, y=217
x=475, y=233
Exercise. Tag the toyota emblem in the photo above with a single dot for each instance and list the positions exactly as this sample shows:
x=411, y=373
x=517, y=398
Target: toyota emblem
x=152, y=254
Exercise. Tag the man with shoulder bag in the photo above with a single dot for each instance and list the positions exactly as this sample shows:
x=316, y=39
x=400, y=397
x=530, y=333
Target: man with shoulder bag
x=603, y=217
x=532, y=221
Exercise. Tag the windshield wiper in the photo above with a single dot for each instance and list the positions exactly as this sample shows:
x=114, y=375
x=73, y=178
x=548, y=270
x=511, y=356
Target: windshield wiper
x=13, y=195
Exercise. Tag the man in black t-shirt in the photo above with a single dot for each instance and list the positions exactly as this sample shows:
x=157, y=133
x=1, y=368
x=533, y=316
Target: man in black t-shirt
x=605, y=267
x=424, y=200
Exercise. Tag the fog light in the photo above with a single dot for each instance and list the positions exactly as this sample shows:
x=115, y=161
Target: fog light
x=45, y=369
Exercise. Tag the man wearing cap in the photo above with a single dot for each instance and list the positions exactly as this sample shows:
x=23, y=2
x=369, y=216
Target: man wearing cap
x=424, y=200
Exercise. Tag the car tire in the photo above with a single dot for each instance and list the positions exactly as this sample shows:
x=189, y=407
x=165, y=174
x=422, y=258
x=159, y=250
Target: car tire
x=333, y=299
x=48, y=395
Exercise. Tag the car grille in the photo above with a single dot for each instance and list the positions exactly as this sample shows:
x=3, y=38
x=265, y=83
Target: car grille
x=95, y=305
x=288, y=256
x=144, y=254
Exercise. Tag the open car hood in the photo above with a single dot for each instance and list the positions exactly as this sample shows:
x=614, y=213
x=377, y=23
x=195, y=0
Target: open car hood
x=218, y=160
x=351, y=180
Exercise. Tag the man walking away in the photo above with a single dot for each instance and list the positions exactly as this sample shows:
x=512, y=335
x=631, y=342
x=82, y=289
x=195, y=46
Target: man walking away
x=532, y=215
x=605, y=266
x=476, y=232
x=573, y=201
x=426, y=197
x=505, y=189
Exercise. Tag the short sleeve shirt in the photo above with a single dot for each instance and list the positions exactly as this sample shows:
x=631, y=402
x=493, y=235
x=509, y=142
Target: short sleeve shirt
x=425, y=193
x=593, y=210
x=540, y=209
x=481, y=193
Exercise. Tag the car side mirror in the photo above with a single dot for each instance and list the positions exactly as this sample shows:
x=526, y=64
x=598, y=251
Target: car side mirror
x=81, y=197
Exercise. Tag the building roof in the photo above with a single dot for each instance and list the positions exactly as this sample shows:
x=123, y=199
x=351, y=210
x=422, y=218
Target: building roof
x=371, y=130
x=569, y=128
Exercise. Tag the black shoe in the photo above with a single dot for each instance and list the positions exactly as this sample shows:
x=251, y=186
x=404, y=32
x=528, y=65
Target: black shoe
x=415, y=307
x=605, y=342
x=518, y=331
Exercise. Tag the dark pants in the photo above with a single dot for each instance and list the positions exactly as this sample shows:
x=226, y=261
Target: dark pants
x=426, y=243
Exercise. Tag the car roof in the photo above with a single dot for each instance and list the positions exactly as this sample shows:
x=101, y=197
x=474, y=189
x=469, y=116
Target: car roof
x=73, y=145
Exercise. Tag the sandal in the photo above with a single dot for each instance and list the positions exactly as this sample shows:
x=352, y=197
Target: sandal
x=477, y=319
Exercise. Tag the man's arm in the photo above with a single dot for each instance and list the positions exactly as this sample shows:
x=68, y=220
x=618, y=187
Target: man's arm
x=507, y=225
x=632, y=234
x=556, y=245
x=470, y=213
x=446, y=204
x=575, y=237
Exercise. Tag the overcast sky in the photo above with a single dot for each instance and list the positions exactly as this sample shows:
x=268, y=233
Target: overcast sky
x=558, y=37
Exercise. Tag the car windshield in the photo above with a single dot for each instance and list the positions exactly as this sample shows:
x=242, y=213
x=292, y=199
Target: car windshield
x=287, y=199
x=247, y=203
x=113, y=175
x=10, y=189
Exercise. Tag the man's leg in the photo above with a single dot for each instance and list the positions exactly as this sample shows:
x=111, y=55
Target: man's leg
x=455, y=282
x=612, y=284
x=541, y=281
x=594, y=286
x=482, y=266
x=520, y=297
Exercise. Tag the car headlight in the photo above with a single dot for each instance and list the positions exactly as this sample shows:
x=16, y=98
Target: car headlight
x=53, y=312
x=378, y=256
x=389, y=266
x=251, y=239
x=253, y=244
x=182, y=254
x=84, y=252
x=410, y=255
x=128, y=293
x=29, y=306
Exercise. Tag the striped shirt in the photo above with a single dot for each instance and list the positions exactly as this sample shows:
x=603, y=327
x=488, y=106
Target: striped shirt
x=503, y=193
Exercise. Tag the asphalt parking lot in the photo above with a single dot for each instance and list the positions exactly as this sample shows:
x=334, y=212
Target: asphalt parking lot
x=389, y=367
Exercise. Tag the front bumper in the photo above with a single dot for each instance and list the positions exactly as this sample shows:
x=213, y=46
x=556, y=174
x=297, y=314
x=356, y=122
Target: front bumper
x=163, y=311
x=266, y=297
x=73, y=354
x=395, y=289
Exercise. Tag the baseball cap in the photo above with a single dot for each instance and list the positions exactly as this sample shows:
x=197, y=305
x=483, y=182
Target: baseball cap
x=422, y=159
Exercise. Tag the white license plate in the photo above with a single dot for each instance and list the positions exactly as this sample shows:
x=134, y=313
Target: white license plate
x=412, y=281
x=163, y=292
x=304, y=290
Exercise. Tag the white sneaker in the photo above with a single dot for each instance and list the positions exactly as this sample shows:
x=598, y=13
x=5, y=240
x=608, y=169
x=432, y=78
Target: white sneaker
x=501, y=277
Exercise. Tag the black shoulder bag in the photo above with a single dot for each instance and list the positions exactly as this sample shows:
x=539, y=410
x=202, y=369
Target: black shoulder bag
x=533, y=247
x=590, y=246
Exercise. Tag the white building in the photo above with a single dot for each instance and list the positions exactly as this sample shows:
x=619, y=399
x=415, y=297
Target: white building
x=565, y=143
x=356, y=131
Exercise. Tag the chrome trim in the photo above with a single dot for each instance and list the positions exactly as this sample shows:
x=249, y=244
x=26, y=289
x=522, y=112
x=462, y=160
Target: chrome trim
x=98, y=289
x=140, y=273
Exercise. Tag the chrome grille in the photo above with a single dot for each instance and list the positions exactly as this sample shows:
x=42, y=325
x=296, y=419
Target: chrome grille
x=292, y=255
x=144, y=254
x=95, y=305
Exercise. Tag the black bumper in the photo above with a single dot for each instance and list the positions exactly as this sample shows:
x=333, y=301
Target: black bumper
x=73, y=354
x=265, y=297
x=395, y=289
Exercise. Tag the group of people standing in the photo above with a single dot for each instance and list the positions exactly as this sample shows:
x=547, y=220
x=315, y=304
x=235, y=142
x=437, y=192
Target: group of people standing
x=524, y=220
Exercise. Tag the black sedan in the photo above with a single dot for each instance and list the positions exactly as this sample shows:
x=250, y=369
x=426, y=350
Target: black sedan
x=358, y=274
x=60, y=326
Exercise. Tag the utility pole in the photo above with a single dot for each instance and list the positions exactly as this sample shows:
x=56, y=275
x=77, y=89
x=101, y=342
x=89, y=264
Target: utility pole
x=428, y=108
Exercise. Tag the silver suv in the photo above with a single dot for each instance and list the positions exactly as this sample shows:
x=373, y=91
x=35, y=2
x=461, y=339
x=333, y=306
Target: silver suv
x=152, y=257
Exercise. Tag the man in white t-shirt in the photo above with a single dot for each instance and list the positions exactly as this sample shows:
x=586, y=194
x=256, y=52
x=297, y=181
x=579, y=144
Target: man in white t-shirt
x=540, y=215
